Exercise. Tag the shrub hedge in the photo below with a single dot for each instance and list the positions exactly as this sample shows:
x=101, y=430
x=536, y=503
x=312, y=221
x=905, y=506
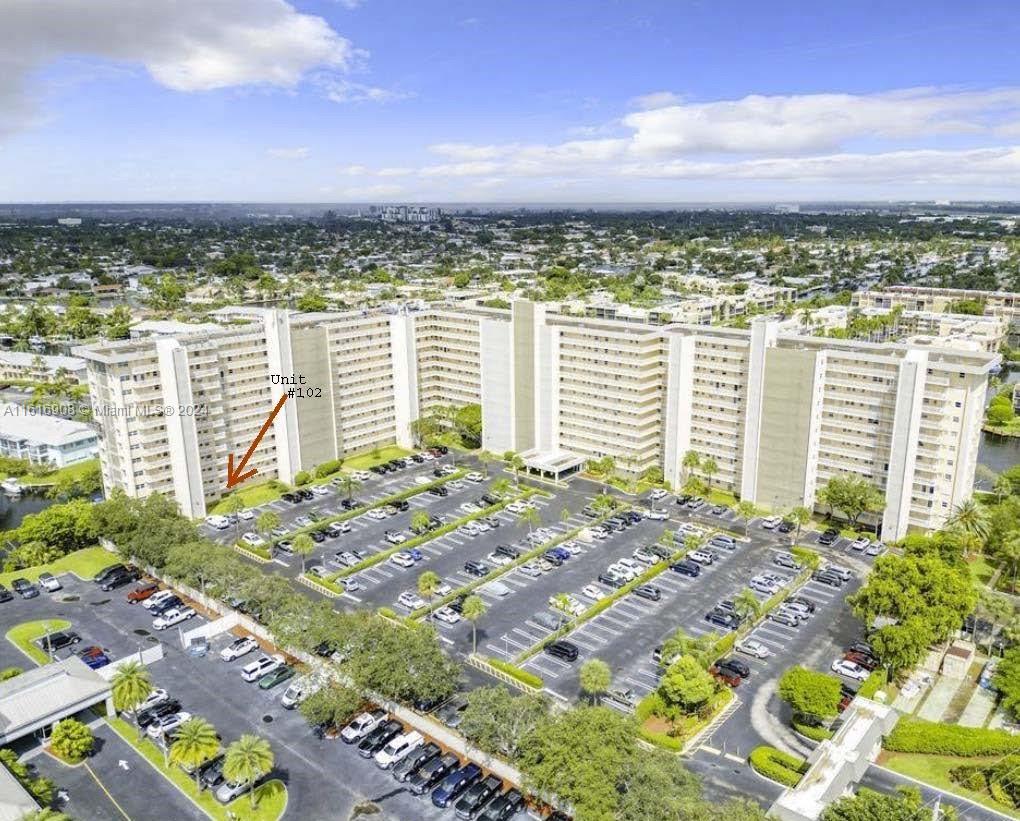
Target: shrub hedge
x=915, y=735
x=778, y=766
x=512, y=670
x=873, y=683
x=813, y=731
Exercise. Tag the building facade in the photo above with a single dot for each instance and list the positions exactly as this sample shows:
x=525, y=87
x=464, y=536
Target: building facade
x=778, y=413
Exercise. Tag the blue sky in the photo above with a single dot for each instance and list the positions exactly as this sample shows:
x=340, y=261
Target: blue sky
x=381, y=100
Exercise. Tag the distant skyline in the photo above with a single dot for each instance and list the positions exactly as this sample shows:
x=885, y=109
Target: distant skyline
x=610, y=102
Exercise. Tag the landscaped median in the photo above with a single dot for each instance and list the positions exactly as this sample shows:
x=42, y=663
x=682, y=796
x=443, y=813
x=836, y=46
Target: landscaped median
x=674, y=735
x=24, y=635
x=777, y=766
x=525, y=677
x=270, y=797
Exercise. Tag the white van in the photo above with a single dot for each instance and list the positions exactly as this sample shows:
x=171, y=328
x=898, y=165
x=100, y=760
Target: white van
x=298, y=691
x=218, y=522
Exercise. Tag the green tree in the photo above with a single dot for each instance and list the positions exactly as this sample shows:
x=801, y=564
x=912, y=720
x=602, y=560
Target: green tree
x=195, y=742
x=64, y=527
x=247, y=760
x=869, y=805
x=501, y=487
x=854, y=496
x=970, y=517
x=710, y=468
x=232, y=505
x=529, y=516
x=71, y=739
x=304, y=546
x=428, y=584
x=810, y=694
x=499, y=722
x=472, y=610
x=691, y=462
x=800, y=516
x=517, y=465
x=701, y=648
x=420, y=521
x=686, y=686
x=348, y=484
x=131, y=685
x=311, y=301
x=267, y=522
x=746, y=604
x=806, y=556
x=485, y=458
x=746, y=511
x=332, y=705
x=595, y=678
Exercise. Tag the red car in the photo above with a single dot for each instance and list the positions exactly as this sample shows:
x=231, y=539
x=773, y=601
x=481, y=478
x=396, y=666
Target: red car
x=725, y=675
x=867, y=662
x=142, y=593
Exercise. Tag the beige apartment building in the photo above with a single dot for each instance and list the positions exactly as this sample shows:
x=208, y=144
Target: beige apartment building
x=939, y=300
x=779, y=413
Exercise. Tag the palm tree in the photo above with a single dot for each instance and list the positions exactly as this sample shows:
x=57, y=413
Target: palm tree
x=233, y=505
x=800, y=516
x=970, y=517
x=131, y=685
x=349, y=484
x=428, y=584
x=501, y=486
x=998, y=608
x=561, y=604
x=420, y=521
x=565, y=514
x=247, y=760
x=529, y=516
x=691, y=462
x=472, y=610
x=1009, y=551
x=595, y=678
x=746, y=604
x=710, y=468
x=746, y=511
x=267, y=522
x=517, y=465
x=1002, y=488
x=485, y=457
x=195, y=742
x=304, y=547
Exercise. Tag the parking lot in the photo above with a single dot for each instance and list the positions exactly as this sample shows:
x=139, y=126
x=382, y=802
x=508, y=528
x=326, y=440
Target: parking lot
x=325, y=778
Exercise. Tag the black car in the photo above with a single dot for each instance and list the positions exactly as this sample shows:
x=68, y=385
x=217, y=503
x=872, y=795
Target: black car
x=431, y=773
x=116, y=580
x=661, y=551
x=59, y=640
x=404, y=770
x=102, y=575
x=401, y=505
x=741, y=668
x=721, y=618
x=553, y=559
x=611, y=580
x=828, y=537
x=417, y=458
x=457, y=604
x=589, y=511
x=476, y=796
x=379, y=738
x=685, y=567
x=438, y=472
x=25, y=588
x=5, y=594
x=305, y=494
x=489, y=499
x=682, y=500
x=648, y=591
x=804, y=602
x=503, y=807
x=452, y=713
x=632, y=516
x=563, y=650
x=786, y=526
x=439, y=490
x=290, y=497
x=210, y=774
x=827, y=577
x=156, y=712
x=509, y=551
x=166, y=604
x=477, y=569
x=318, y=536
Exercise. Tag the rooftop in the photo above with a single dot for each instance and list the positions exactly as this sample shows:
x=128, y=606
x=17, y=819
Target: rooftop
x=20, y=422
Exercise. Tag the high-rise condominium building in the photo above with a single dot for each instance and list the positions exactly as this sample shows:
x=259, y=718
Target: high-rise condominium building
x=778, y=414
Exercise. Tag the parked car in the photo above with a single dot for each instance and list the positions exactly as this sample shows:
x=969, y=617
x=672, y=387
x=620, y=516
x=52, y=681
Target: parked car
x=771, y=522
x=725, y=675
x=379, y=738
x=431, y=773
x=752, y=647
x=398, y=748
x=25, y=588
x=454, y=784
x=143, y=592
x=119, y=579
x=237, y=648
x=477, y=569
x=210, y=774
x=169, y=603
x=403, y=770
x=172, y=617
x=276, y=677
x=829, y=537
x=361, y=726
x=784, y=617
x=849, y=669
x=167, y=723
x=686, y=567
x=477, y=796
x=168, y=706
x=827, y=578
x=648, y=591
x=786, y=560
x=722, y=618
x=563, y=650
x=258, y=668
x=741, y=668
x=410, y=600
x=59, y=640
x=49, y=582
x=503, y=807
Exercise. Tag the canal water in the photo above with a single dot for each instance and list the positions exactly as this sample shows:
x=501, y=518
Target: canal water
x=14, y=509
x=1000, y=452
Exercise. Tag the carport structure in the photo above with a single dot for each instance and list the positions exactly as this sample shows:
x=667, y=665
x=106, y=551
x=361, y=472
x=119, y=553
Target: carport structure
x=552, y=464
x=39, y=698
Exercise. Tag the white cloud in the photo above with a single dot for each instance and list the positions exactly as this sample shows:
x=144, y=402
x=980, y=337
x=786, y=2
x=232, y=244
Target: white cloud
x=394, y=172
x=340, y=90
x=187, y=45
x=368, y=192
x=657, y=99
x=300, y=153
x=814, y=122
x=355, y=170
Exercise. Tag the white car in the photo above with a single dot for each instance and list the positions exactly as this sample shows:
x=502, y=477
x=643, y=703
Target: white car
x=448, y=469
x=572, y=547
x=530, y=569
x=166, y=724
x=362, y=726
x=516, y=507
x=760, y=585
x=456, y=484
x=593, y=592
x=482, y=525
x=751, y=647
x=646, y=557
x=849, y=669
x=362, y=475
x=475, y=476
x=253, y=539
x=376, y=513
x=447, y=615
x=843, y=572
x=402, y=559
x=246, y=514
x=237, y=648
x=259, y=667
x=496, y=588
x=567, y=603
x=771, y=522
x=219, y=522
x=687, y=529
x=657, y=494
x=702, y=556
x=498, y=559
x=320, y=490
x=657, y=514
x=158, y=597
x=622, y=571
x=631, y=565
x=175, y=615
x=860, y=543
x=469, y=529
x=395, y=537
x=600, y=532
x=469, y=507
x=410, y=600
x=428, y=457
x=398, y=749
x=50, y=583
x=157, y=696
x=422, y=480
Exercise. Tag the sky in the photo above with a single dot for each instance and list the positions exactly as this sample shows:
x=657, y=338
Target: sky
x=379, y=101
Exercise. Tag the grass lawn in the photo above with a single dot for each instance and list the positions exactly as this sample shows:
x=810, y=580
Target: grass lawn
x=270, y=797
x=364, y=461
x=252, y=496
x=85, y=564
x=981, y=571
x=74, y=471
x=24, y=635
x=721, y=497
x=934, y=770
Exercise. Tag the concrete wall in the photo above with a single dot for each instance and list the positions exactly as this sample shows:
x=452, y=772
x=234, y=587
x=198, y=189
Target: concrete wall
x=315, y=420
x=498, y=430
x=524, y=317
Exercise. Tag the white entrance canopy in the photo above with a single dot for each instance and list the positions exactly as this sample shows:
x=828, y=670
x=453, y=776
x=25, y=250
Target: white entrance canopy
x=552, y=464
